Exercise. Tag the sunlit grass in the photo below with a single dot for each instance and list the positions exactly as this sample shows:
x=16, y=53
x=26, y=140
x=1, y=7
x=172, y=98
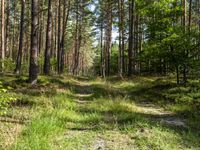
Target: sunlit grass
x=79, y=113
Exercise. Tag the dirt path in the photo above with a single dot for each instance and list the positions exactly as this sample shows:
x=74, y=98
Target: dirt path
x=163, y=116
x=116, y=140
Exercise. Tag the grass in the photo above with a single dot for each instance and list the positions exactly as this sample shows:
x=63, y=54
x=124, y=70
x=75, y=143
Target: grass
x=65, y=112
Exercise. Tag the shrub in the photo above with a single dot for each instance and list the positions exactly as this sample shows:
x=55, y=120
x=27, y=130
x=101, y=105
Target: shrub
x=5, y=99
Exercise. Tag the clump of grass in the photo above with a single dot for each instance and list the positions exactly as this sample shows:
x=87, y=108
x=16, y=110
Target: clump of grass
x=157, y=138
x=63, y=101
x=39, y=132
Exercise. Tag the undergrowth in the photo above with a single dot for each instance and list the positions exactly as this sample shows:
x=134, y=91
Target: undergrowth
x=81, y=113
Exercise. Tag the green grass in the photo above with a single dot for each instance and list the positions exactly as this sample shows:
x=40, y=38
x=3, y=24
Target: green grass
x=65, y=112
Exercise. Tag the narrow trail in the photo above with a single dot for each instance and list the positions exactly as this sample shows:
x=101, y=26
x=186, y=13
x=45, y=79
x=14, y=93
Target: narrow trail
x=101, y=140
x=115, y=139
x=164, y=116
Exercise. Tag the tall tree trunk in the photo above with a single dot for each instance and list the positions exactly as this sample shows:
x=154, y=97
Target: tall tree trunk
x=62, y=44
x=2, y=33
x=33, y=68
x=120, y=57
x=21, y=39
x=47, y=65
x=77, y=40
x=185, y=69
x=41, y=27
x=136, y=43
x=55, y=35
x=108, y=35
x=141, y=39
x=58, y=38
x=14, y=29
x=131, y=37
x=123, y=34
x=7, y=28
x=184, y=29
x=190, y=15
x=101, y=49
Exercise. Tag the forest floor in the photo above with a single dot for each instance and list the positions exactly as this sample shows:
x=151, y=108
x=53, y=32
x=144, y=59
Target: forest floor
x=77, y=113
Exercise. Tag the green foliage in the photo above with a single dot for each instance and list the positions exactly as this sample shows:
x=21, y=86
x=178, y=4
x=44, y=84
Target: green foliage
x=167, y=41
x=9, y=64
x=5, y=99
x=188, y=95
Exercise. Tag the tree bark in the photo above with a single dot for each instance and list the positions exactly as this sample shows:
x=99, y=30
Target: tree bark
x=101, y=49
x=62, y=44
x=120, y=57
x=7, y=28
x=131, y=37
x=47, y=65
x=33, y=68
x=58, y=39
x=108, y=36
x=21, y=39
x=77, y=40
x=2, y=34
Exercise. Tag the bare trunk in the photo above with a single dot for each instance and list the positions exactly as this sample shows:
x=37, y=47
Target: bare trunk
x=21, y=39
x=2, y=33
x=62, y=44
x=108, y=40
x=33, y=69
x=58, y=38
x=47, y=65
x=120, y=57
x=131, y=37
x=77, y=41
x=7, y=28
x=101, y=48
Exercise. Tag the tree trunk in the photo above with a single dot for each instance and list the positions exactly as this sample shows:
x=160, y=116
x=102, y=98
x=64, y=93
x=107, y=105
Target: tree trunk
x=33, y=68
x=190, y=15
x=14, y=29
x=185, y=68
x=77, y=40
x=58, y=38
x=120, y=57
x=123, y=34
x=7, y=28
x=2, y=33
x=108, y=34
x=47, y=65
x=131, y=37
x=62, y=44
x=19, y=55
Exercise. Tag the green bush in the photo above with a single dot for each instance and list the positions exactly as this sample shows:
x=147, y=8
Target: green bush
x=5, y=99
x=9, y=64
